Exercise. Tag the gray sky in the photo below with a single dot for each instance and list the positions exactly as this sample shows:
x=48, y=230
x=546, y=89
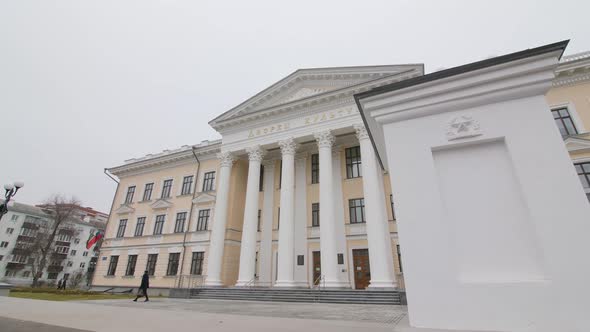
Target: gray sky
x=85, y=85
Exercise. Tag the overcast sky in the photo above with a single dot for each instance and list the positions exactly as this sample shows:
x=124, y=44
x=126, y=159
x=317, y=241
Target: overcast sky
x=85, y=85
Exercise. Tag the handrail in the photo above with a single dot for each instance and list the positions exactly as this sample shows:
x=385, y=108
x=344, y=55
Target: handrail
x=317, y=285
x=252, y=282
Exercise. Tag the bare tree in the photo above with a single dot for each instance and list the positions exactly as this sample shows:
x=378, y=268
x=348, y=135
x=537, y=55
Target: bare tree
x=53, y=235
x=76, y=279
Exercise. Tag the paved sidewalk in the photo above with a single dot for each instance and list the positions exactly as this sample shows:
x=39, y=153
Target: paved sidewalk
x=167, y=315
x=17, y=325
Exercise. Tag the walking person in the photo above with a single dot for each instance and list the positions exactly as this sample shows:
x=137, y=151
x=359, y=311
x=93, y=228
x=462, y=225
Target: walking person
x=145, y=284
x=59, y=284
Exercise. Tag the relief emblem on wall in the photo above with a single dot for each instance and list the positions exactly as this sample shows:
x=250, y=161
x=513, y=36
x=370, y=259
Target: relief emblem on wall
x=462, y=126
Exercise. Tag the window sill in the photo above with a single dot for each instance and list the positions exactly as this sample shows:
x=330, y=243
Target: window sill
x=140, y=202
x=109, y=277
x=169, y=277
x=128, y=277
x=185, y=195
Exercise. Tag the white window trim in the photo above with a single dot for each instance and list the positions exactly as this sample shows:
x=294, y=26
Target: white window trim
x=153, y=191
x=127, y=190
x=579, y=161
x=573, y=114
x=159, y=196
x=202, y=180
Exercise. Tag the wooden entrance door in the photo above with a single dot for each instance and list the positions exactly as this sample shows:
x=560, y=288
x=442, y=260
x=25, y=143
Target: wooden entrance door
x=317, y=267
x=362, y=270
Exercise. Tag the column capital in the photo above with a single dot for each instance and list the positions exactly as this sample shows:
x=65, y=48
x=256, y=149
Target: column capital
x=361, y=131
x=226, y=158
x=288, y=146
x=255, y=153
x=324, y=138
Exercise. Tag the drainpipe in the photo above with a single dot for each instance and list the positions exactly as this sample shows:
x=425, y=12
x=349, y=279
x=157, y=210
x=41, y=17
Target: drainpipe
x=106, y=171
x=190, y=214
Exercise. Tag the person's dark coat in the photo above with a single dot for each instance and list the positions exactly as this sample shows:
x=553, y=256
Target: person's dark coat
x=145, y=282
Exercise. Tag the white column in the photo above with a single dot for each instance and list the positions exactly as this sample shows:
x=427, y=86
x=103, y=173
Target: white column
x=265, y=252
x=217, y=241
x=378, y=238
x=300, y=222
x=247, y=268
x=328, y=237
x=285, y=276
x=339, y=209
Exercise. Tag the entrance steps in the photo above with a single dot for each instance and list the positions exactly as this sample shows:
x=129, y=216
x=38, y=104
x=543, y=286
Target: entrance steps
x=391, y=297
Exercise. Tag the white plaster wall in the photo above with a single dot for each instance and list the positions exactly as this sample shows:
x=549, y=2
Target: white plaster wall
x=494, y=227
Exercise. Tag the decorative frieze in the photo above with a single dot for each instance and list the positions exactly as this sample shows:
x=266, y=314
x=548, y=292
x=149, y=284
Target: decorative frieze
x=324, y=138
x=462, y=126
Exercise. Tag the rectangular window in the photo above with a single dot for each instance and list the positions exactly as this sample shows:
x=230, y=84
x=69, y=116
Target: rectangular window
x=159, y=226
x=147, y=192
x=131, y=261
x=73, y=252
x=122, y=226
x=51, y=275
x=208, y=181
x=392, y=207
x=315, y=214
x=9, y=230
x=1, y=257
x=113, y=265
x=139, y=226
x=340, y=259
x=279, y=218
x=300, y=260
x=130, y=193
x=85, y=254
x=353, y=162
x=70, y=263
x=583, y=170
x=180, y=220
x=173, y=260
x=357, y=210
x=151, y=264
x=261, y=179
x=14, y=218
x=259, y=214
x=197, y=262
x=3, y=244
x=399, y=259
x=564, y=121
x=187, y=184
x=82, y=265
x=315, y=168
x=166, y=188
x=203, y=220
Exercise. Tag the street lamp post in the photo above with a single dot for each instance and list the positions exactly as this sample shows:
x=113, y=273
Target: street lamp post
x=11, y=190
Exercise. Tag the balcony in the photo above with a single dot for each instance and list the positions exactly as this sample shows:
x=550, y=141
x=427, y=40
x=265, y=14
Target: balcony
x=21, y=250
x=57, y=256
x=15, y=266
x=30, y=225
x=62, y=243
x=55, y=268
x=25, y=238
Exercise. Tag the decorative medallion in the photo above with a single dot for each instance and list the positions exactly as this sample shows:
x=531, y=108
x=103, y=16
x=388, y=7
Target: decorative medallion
x=226, y=159
x=462, y=127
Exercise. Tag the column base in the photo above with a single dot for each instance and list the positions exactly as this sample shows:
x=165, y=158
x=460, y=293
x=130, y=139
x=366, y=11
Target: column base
x=290, y=284
x=213, y=283
x=262, y=284
x=385, y=285
x=337, y=284
x=245, y=283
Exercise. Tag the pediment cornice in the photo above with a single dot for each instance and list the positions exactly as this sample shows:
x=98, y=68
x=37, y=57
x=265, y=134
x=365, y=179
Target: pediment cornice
x=204, y=197
x=248, y=111
x=124, y=209
x=161, y=204
x=577, y=144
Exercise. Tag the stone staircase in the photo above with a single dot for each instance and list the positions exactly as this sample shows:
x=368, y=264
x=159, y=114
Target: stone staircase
x=300, y=295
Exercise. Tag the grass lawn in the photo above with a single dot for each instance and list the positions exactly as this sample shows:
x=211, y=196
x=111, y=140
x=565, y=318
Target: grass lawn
x=68, y=297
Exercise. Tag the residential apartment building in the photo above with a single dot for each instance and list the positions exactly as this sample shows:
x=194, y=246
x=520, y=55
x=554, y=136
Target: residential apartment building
x=19, y=229
x=293, y=192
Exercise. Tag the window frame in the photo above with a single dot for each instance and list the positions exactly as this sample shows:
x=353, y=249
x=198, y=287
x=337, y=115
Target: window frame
x=315, y=168
x=208, y=181
x=150, y=265
x=172, y=268
x=315, y=214
x=147, y=192
x=180, y=218
x=113, y=262
x=167, y=188
x=139, y=231
x=563, y=119
x=584, y=166
x=203, y=218
x=353, y=162
x=353, y=205
x=159, y=224
x=121, y=229
x=130, y=194
x=131, y=262
x=187, y=185
x=197, y=260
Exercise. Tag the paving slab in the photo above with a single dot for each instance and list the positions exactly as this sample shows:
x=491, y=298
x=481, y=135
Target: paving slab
x=17, y=325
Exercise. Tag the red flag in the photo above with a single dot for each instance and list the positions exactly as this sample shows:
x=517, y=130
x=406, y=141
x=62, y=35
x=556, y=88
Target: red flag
x=93, y=238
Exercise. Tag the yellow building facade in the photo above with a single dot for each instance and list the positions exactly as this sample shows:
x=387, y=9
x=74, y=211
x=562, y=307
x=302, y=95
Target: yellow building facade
x=291, y=196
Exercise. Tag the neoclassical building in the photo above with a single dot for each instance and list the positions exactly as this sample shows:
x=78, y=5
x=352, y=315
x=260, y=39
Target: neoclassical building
x=292, y=195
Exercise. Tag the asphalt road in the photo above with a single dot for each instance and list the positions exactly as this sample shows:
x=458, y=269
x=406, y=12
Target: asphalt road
x=17, y=325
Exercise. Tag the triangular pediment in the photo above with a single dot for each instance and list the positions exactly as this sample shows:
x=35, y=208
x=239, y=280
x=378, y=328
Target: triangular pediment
x=304, y=84
x=124, y=209
x=204, y=198
x=161, y=204
x=577, y=144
